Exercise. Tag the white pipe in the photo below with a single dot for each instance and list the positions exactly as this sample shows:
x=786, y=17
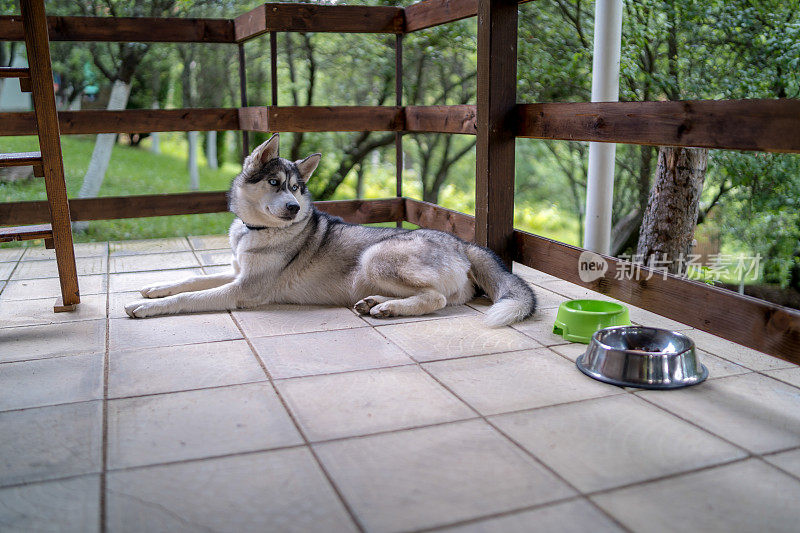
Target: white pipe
x=605, y=88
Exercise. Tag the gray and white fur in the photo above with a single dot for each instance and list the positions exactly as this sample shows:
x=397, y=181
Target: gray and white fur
x=286, y=251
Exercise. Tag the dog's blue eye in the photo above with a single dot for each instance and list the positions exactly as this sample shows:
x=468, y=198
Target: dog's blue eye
x=294, y=187
x=273, y=182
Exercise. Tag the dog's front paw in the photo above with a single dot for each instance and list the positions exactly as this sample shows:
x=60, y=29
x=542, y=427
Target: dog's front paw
x=158, y=290
x=143, y=308
x=363, y=307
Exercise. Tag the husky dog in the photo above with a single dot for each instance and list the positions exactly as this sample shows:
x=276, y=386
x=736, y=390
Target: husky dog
x=285, y=251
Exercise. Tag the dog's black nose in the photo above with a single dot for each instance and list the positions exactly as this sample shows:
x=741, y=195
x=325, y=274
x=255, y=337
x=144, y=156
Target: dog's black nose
x=293, y=208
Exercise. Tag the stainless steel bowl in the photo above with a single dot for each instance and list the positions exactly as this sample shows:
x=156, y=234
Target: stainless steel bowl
x=636, y=356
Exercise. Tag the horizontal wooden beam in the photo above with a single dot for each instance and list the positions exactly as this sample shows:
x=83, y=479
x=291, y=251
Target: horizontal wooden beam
x=760, y=325
x=154, y=205
x=126, y=29
x=763, y=125
x=305, y=118
x=441, y=119
x=433, y=216
x=429, y=13
x=126, y=121
x=318, y=18
x=365, y=211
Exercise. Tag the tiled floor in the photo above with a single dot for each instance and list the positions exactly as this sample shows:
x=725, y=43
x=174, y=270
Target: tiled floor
x=291, y=418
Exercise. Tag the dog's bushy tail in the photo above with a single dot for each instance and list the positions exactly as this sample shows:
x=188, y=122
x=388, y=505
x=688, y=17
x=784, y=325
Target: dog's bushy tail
x=513, y=299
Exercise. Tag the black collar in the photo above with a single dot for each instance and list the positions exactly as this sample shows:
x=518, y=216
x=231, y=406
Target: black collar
x=254, y=228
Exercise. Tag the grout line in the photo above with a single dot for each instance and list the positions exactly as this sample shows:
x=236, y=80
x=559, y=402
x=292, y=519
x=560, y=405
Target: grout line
x=501, y=514
x=300, y=431
x=666, y=477
x=106, y=363
x=515, y=443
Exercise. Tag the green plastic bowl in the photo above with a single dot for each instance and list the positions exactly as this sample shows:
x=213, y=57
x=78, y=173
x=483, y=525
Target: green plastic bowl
x=577, y=320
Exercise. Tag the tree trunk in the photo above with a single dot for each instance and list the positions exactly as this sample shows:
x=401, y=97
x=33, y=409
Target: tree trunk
x=671, y=215
x=211, y=150
x=360, y=181
x=101, y=155
x=194, y=180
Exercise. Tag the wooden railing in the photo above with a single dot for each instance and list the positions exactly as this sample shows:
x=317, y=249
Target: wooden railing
x=497, y=119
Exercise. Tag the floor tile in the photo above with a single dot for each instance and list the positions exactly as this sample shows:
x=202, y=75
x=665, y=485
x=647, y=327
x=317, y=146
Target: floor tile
x=10, y=255
x=136, y=281
x=177, y=368
x=746, y=496
x=446, y=312
x=547, y=299
x=282, y=491
x=287, y=319
x=369, y=401
x=53, y=340
x=129, y=333
x=50, y=442
x=788, y=461
x=51, y=381
x=325, y=352
x=118, y=300
x=751, y=410
x=719, y=367
x=5, y=270
x=544, y=300
x=149, y=246
x=517, y=380
x=40, y=311
x=210, y=242
x=217, y=269
x=574, y=516
x=787, y=375
x=433, y=476
x=140, y=262
x=433, y=339
x=26, y=289
x=529, y=274
x=480, y=304
x=82, y=249
x=737, y=353
x=570, y=290
x=571, y=351
x=540, y=327
x=69, y=505
x=609, y=442
x=196, y=424
x=49, y=269
x=215, y=257
x=647, y=318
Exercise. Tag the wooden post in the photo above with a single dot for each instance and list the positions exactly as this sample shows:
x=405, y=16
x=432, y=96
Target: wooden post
x=398, y=136
x=38, y=48
x=273, y=66
x=497, y=81
x=243, y=94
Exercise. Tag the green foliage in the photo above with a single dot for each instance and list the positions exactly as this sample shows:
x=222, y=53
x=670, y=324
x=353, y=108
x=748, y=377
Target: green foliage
x=672, y=49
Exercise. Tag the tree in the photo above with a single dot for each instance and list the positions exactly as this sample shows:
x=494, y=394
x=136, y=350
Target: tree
x=118, y=63
x=668, y=224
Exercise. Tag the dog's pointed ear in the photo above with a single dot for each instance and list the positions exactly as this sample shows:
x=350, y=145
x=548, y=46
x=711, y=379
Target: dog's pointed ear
x=265, y=152
x=308, y=165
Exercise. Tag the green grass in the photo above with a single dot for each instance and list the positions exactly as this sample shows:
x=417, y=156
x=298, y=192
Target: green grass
x=132, y=171
x=137, y=171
